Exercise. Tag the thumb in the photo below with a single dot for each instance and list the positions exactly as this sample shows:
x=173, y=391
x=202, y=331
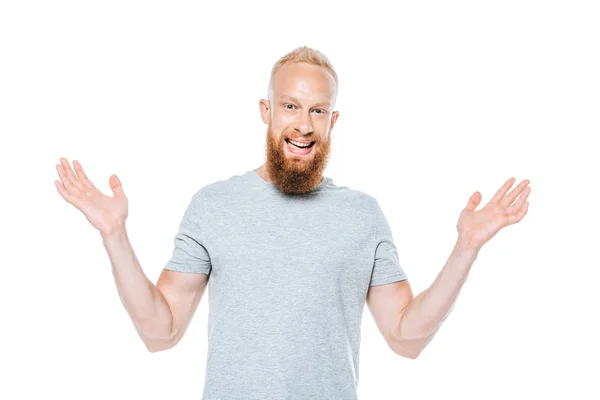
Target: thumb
x=473, y=201
x=115, y=186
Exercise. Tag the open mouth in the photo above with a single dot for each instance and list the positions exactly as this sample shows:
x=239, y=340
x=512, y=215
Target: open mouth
x=299, y=145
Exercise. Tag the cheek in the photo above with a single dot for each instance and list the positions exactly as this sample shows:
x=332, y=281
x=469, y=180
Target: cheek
x=283, y=123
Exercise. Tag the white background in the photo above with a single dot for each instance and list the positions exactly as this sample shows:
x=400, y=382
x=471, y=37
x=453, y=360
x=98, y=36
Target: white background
x=436, y=100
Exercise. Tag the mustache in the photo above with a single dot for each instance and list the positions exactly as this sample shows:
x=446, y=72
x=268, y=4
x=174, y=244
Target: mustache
x=315, y=140
x=289, y=133
x=311, y=138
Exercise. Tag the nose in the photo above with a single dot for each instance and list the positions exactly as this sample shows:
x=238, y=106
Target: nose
x=304, y=124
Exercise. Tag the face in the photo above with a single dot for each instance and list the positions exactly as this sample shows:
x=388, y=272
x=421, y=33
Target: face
x=301, y=110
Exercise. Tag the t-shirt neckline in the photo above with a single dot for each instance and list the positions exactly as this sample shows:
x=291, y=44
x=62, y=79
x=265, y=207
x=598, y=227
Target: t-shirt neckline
x=253, y=172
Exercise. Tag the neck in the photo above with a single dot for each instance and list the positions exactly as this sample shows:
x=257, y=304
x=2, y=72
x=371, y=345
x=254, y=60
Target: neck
x=262, y=172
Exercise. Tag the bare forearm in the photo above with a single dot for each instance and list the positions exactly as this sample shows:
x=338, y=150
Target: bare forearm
x=421, y=319
x=144, y=303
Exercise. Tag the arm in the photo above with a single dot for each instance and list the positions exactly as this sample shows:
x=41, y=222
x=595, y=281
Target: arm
x=419, y=321
x=160, y=313
x=408, y=324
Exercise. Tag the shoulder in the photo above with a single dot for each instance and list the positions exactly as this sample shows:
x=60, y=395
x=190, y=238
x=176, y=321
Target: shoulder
x=219, y=190
x=358, y=200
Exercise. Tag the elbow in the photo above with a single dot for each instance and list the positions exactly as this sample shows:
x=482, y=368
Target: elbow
x=155, y=344
x=156, y=347
x=412, y=356
x=405, y=352
x=153, y=349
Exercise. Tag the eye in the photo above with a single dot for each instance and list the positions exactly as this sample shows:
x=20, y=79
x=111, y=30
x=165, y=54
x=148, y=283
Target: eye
x=322, y=111
x=285, y=105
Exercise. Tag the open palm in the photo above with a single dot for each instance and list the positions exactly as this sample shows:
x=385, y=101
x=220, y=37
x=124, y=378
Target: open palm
x=105, y=213
x=475, y=228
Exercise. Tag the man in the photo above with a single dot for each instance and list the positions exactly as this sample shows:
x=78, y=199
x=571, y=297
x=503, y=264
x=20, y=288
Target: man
x=290, y=257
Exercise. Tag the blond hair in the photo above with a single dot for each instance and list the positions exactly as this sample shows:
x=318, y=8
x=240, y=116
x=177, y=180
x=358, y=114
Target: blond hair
x=307, y=55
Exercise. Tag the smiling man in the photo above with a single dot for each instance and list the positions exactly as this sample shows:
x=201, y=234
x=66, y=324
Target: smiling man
x=290, y=258
x=300, y=117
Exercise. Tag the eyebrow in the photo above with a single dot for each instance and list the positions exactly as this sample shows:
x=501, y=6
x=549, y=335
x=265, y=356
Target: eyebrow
x=284, y=97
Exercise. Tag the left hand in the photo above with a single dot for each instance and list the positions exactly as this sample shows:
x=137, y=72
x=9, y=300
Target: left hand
x=475, y=228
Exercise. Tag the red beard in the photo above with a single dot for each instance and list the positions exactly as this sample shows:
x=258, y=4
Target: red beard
x=295, y=174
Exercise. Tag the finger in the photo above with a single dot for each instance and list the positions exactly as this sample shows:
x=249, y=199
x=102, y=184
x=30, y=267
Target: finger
x=116, y=186
x=71, y=174
x=518, y=216
x=82, y=176
x=516, y=206
x=510, y=197
x=66, y=181
x=502, y=191
x=67, y=196
x=473, y=201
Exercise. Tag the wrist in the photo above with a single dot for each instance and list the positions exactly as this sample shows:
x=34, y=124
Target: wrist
x=463, y=250
x=464, y=246
x=115, y=235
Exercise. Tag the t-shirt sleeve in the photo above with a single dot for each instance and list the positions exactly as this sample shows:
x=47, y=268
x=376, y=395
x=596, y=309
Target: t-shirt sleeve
x=190, y=254
x=386, y=266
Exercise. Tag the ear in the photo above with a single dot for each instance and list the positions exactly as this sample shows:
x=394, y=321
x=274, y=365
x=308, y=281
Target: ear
x=265, y=110
x=334, y=117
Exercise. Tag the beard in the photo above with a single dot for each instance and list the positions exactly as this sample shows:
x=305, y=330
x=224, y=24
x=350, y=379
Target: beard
x=291, y=173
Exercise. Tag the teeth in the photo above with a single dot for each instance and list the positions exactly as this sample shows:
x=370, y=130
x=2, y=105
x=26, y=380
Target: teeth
x=299, y=144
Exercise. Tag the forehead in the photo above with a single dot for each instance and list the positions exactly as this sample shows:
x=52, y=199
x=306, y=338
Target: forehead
x=303, y=81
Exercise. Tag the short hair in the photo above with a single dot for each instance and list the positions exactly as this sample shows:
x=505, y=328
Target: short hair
x=307, y=55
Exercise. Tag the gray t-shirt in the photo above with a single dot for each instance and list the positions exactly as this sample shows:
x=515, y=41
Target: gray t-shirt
x=288, y=279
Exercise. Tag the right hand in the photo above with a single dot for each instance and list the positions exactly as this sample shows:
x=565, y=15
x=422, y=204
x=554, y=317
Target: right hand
x=105, y=213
